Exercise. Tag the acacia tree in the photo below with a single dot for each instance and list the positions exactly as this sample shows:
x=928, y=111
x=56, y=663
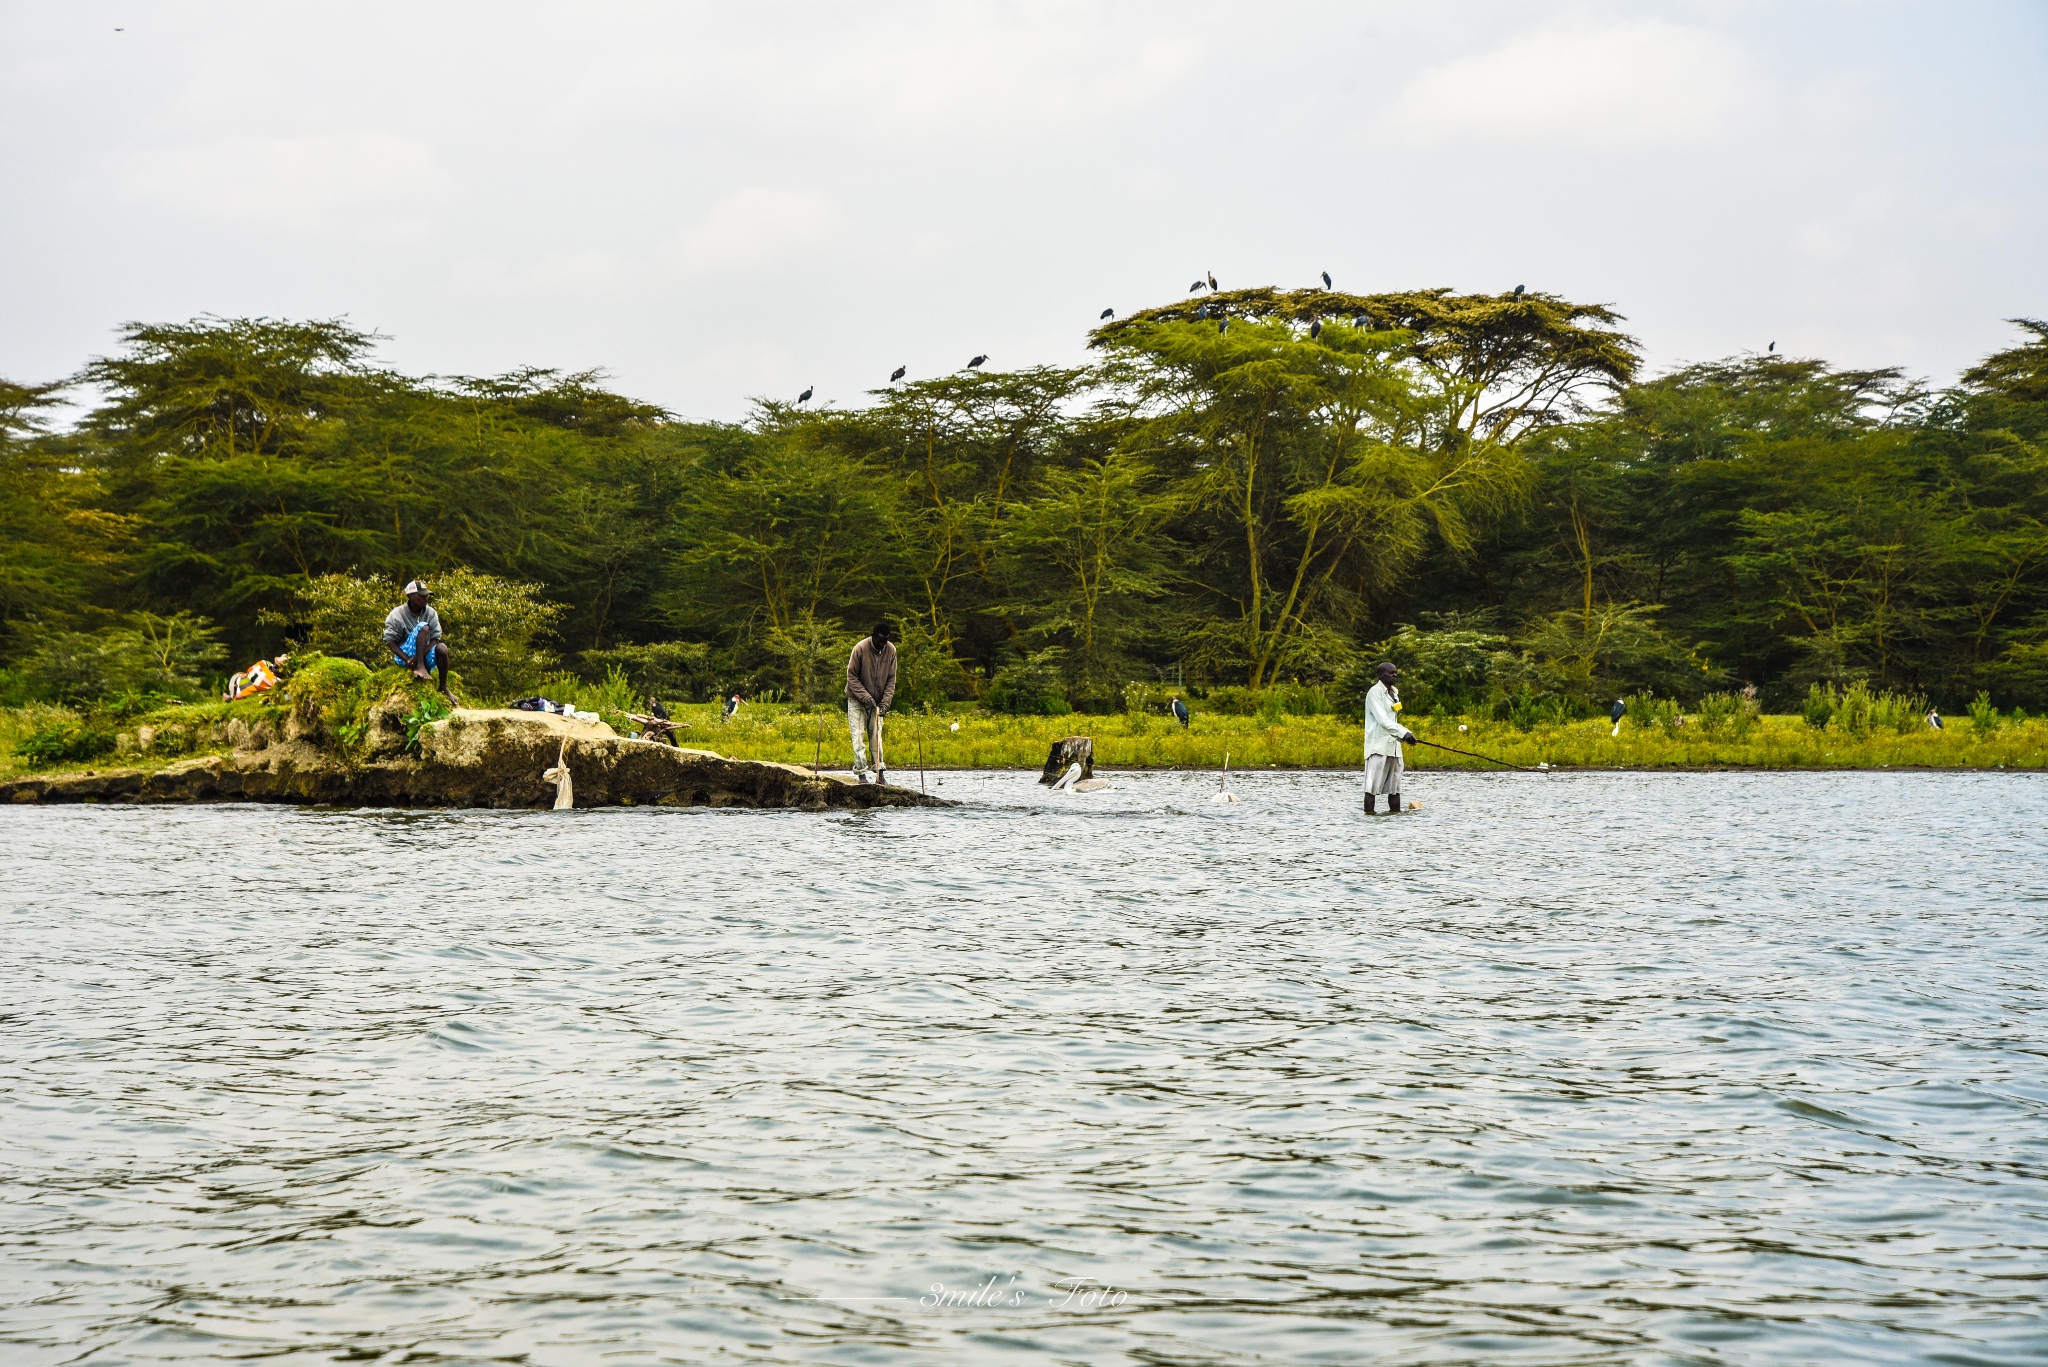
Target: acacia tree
x=1089, y=555
x=778, y=546
x=1335, y=450
x=967, y=449
x=58, y=553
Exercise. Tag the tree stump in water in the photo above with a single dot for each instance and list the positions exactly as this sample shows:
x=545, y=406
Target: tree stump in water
x=1069, y=750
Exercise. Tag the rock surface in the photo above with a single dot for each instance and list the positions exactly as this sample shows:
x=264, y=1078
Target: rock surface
x=474, y=758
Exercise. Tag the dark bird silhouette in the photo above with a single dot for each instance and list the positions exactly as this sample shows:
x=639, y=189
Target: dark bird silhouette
x=1615, y=714
x=1773, y=347
x=1179, y=710
x=804, y=397
x=1223, y=325
x=1195, y=288
x=732, y=705
x=1212, y=280
x=1315, y=329
x=1326, y=280
x=1518, y=291
x=1361, y=321
x=1201, y=312
x=975, y=364
x=897, y=373
x=1109, y=313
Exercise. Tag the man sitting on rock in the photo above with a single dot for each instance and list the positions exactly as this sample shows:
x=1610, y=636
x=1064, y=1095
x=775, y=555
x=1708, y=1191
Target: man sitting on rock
x=413, y=631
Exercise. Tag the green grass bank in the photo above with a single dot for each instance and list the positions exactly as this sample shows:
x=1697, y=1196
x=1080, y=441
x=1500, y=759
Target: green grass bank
x=1136, y=741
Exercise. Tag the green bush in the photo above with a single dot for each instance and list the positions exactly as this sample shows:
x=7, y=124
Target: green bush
x=1447, y=666
x=1819, y=707
x=1232, y=701
x=494, y=626
x=674, y=670
x=1301, y=700
x=1859, y=712
x=1526, y=709
x=66, y=743
x=1727, y=714
x=428, y=708
x=1983, y=716
x=1653, y=713
x=1151, y=699
x=611, y=697
x=152, y=654
x=1032, y=686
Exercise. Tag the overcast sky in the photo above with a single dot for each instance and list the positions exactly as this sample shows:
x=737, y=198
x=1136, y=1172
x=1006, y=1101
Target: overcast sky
x=716, y=202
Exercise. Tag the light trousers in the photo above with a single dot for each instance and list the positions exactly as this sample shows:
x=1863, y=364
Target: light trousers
x=862, y=724
x=1383, y=775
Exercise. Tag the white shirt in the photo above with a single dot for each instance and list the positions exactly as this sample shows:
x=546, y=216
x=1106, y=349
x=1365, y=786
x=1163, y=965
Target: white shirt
x=1383, y=729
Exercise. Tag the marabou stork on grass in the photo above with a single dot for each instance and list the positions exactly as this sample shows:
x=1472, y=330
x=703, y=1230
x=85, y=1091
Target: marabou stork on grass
x=1179, y=710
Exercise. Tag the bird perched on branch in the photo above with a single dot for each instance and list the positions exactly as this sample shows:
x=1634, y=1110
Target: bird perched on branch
x=898, y=373
x=975, y=364
x=1326, y=280
x=1518, y=291
x=1315, y=329
x=805, y=397
x=1771, y=348
x=1109, y=313
x=1212, y=280
x=1195, y=288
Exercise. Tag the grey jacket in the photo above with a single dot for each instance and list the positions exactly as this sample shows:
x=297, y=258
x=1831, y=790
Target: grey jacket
x=403, y=619
x=871, y=674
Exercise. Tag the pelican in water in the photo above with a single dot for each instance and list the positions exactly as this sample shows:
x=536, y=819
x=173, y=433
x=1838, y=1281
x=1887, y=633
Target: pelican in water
x=1223, y=793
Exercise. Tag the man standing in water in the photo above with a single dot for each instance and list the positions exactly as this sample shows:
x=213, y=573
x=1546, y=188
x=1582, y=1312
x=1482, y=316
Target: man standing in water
x=413, y=632
x=1383, y=737
x=870, y=688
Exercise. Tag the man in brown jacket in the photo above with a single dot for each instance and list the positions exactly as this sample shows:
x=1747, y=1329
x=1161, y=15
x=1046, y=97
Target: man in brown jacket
x=870, y=688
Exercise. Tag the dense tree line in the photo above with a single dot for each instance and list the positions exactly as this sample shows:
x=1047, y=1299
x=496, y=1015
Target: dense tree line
x=1254, y=488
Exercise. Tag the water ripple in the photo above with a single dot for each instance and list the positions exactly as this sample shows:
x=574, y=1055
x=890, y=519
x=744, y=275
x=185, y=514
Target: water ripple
x=1589, y=1069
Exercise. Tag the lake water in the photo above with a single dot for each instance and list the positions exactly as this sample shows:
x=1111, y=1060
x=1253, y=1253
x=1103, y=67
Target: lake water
x=1603, y=1068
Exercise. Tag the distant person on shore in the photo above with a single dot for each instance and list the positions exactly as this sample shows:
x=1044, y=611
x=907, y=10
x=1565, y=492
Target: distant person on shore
x=413, y=631
x=1383, y=737
x=870, y=688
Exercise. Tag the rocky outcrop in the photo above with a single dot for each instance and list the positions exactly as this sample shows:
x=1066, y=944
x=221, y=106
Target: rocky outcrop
x=474, y=758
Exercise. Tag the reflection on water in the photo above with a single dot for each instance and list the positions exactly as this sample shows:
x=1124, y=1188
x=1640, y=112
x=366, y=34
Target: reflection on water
x=1577, y=1069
